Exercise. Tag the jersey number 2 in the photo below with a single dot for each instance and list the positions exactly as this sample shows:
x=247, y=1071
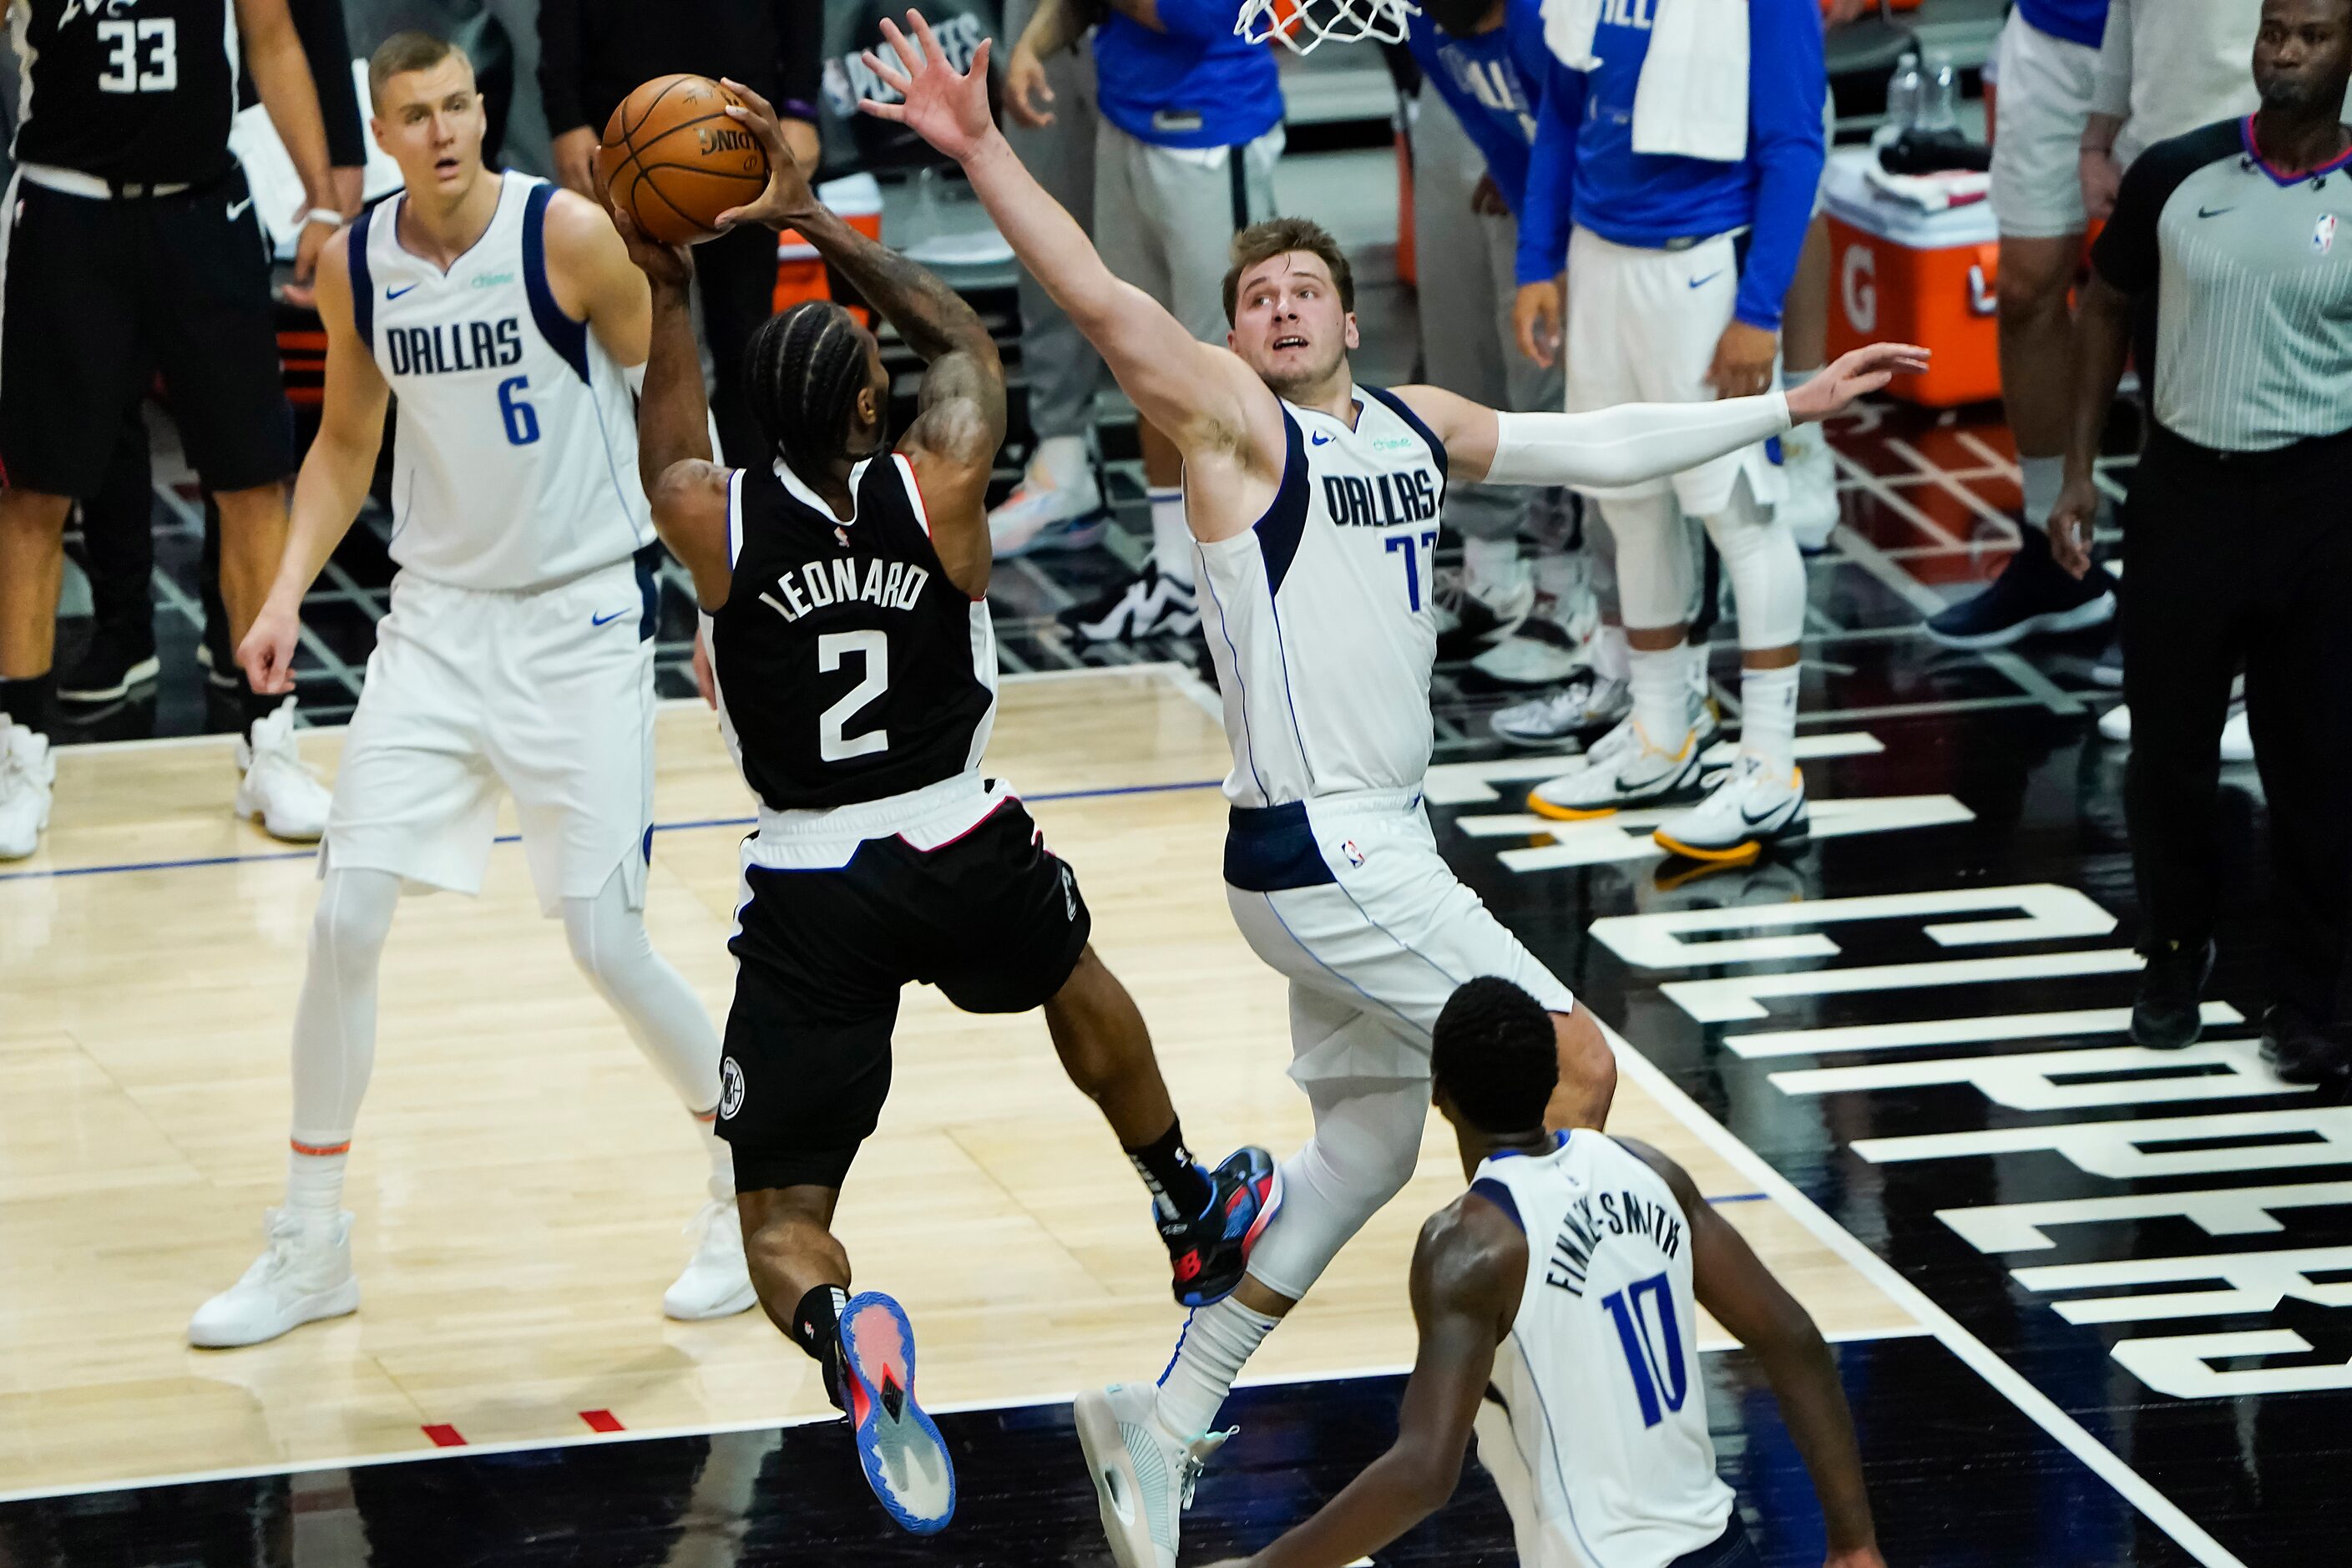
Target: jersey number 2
x=141, y=56
x=1654, y=1345
x=873, y=649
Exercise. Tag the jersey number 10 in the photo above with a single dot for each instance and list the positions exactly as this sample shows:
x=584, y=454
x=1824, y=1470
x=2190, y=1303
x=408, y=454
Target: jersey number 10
x=1653, y=1341
x=141, y=56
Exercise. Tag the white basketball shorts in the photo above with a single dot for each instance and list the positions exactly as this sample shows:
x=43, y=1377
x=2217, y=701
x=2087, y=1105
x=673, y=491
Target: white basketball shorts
x=549, y=694
x=2047, y=85
x=1373, y=930
x=1642, y=326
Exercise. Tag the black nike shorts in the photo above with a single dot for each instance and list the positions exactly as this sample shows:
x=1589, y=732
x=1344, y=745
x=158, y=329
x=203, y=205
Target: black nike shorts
x=102, y=295
x=994, y=920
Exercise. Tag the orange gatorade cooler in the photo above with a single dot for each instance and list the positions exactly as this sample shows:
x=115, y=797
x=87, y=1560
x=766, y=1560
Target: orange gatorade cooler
x=800, y=271
x=1901, y=275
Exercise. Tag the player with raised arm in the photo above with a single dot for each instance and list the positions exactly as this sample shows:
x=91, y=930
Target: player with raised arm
x=856, y=670
x=1557, y=1301
x=1315, y=503
x=519, y=651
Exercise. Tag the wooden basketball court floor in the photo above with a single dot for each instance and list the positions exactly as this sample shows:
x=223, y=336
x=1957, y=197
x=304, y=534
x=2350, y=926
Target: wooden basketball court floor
x=520, y=1176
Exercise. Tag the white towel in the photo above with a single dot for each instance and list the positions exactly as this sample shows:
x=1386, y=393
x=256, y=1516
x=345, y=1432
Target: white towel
x=1693, y=99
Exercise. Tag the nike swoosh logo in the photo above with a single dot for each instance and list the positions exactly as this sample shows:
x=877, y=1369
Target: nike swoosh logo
x=396, y=293
x=1703, y=282
x=607, y=620
x=1319, y=440
x=237, y=209
x=1759, y=821
x=2214, y=212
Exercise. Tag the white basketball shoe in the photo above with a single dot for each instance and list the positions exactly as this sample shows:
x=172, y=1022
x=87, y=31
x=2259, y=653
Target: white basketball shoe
x=1810, y=508
x=1625, y=769
x=717, y=1280
x=29, y=776
x=275, y=786
x=1144, y=1474
x=1753, y=808
x=306, y=1275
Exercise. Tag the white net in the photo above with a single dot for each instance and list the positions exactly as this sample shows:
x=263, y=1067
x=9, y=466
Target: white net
x=1303, y=24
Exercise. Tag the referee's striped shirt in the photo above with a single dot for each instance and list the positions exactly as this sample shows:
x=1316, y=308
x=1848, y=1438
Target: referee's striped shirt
x=2253, y=270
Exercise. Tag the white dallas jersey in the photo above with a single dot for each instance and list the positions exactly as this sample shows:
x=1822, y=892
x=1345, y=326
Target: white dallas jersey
x=1319, y=618
x=1600, y=1374
x=515, y=462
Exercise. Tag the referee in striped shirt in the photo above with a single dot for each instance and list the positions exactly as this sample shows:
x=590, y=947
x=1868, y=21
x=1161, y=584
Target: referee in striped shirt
x=2239, y=528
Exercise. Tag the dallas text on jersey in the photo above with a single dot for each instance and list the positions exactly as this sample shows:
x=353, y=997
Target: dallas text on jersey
x=1382, y=501
x=1593, y=1220
x=454, y=346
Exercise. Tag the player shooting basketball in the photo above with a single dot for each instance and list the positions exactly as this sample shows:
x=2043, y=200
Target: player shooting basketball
x=1316, y=503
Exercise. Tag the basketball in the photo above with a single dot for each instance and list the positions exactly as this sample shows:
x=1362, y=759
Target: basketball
x=674, y=158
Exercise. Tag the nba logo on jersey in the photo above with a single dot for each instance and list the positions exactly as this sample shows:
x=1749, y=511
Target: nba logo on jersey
x=1355, y=855
x=2323, y=235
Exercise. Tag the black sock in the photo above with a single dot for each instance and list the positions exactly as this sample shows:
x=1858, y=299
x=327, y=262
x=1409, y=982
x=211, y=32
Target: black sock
x=1179, y=1188
x=30, y=702
x=250, y=706
x=816, y=1329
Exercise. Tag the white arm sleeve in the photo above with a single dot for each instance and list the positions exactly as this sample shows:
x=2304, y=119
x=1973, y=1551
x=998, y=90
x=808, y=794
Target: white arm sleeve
x=1631, y=443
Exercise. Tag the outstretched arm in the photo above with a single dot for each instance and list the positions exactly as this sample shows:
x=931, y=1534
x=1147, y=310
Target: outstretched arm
x=1638, y=441
x=960, y=424
x=688, y=492
x=1734, y=1285
x=1467, y=1271
x=1201, y=397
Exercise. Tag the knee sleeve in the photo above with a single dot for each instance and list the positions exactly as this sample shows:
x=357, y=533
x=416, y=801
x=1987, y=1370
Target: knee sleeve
x=1766, y=570
x=334, y=1019
x=662, y=1013
x=1655, y=568
x=1367, y=1142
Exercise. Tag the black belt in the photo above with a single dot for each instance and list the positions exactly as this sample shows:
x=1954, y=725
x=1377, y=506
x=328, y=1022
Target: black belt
x=2275, y=460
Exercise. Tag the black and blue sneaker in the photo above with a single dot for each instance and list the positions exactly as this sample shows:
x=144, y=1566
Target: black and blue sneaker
x=2033, y=596
x=899, y=1446
x=1209, y=1252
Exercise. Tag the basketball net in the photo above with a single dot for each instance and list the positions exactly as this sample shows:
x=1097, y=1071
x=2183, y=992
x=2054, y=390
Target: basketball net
x=1301, y=24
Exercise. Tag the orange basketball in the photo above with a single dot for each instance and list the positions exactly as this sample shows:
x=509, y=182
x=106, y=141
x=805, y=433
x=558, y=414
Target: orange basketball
x=676, y=160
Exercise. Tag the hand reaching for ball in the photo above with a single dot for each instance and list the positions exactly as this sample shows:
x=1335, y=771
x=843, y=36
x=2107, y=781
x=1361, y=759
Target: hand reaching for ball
x=665, y=266
x=788, y=195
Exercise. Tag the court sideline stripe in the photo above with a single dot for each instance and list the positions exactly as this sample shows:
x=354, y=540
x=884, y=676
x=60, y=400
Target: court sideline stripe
x=1716, y=1344
x=2005, y=1379
x=1105, y=792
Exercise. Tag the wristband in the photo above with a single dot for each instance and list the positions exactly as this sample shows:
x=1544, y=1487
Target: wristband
x=327, y=216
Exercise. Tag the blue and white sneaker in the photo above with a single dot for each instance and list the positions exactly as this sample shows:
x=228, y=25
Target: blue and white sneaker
x=899, y=1446
x=2033, y=596
x=1209, y=1252
x=1058, y=504
x=1144, y=1473
x=1754, y=807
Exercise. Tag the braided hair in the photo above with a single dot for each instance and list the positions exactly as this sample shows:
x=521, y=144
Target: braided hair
x=801, y=372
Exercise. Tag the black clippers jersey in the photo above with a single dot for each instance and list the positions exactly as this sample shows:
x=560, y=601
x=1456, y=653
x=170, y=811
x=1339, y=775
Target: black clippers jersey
x=850, y=667
x=129, y=91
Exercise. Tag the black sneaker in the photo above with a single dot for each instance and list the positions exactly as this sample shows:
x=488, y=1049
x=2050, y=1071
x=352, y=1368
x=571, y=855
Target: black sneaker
x=2165, y=1014
x=1146, y=604
x=117, y=658
x=2300, y=1051
x=220, y=670
x=2033, y=596
x=1209, y=1252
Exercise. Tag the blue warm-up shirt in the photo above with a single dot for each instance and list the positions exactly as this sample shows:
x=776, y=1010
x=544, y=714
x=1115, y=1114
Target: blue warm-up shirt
x=1195, y=85
x=1583, y=170
x=1493, y=82
x=2076, y=21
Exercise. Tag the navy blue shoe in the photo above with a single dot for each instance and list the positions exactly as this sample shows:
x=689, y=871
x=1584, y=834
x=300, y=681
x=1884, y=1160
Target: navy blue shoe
x=2033, y=596
x=1209, y=1252
x=897, y=1446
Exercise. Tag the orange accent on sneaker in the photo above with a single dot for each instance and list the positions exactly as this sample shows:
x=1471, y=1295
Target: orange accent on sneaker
x=320, y=1150
x=1739, y=854
x=1545, y=808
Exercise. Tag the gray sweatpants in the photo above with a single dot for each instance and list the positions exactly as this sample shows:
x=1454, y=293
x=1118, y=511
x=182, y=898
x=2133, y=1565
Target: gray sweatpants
x=1467, y=288
x=1165, y=218
x=1062, y=369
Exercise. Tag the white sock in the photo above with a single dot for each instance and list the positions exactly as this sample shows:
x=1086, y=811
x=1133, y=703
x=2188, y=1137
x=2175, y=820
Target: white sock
x=1490, y=562
x=1767, y=723
x=1610, y=655
x=314, y=1183
x=1171, y=538
x=2044, y=478
x=1215, y=1342
x=1660, y=695
x=1060, y=460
